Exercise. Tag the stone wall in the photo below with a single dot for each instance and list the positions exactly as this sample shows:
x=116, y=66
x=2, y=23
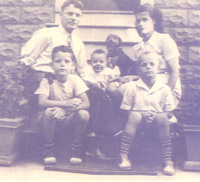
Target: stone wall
x=182, y=22
x=18, y=20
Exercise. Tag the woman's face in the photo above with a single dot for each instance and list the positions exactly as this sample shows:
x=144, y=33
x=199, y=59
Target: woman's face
x=144, y=24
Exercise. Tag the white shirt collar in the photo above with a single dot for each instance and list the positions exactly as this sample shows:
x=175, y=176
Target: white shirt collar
x=152, y=40
x=157, y=85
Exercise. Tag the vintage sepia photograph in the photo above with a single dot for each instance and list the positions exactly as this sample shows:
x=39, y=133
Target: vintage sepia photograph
x=99, y=90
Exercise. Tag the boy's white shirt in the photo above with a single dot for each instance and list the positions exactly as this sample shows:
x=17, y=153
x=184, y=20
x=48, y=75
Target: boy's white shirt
x=105, y=76
x=139, y=97
x=73, y=87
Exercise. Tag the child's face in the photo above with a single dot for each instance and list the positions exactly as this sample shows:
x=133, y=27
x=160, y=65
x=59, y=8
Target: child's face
x=98, y=62
x=148, y=66
x=62, y=63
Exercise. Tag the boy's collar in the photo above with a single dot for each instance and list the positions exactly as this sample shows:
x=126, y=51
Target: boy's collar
x=156, y=86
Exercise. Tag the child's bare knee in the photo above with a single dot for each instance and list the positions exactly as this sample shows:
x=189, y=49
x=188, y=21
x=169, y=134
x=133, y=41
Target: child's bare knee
x=162, y=119
x=48, y=112
x=135, y=117
x=83, y=115
x=112, y=88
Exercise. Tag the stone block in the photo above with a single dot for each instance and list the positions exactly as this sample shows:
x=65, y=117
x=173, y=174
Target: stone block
x=183, y=54
x=194, y=18
x=35, y=15
x=194, y=55
x=21, y=2
x=185, y=4
x=190, y=73
x=186, y=35
x=176, y=17
x=161, y=3
x=9, y=51
x=19, y=33
x=9, y=14
x=47, y=2
x=1, y=33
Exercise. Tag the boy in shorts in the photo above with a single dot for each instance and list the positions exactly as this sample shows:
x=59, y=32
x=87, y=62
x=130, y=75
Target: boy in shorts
x=148, y=101
x=63, y=101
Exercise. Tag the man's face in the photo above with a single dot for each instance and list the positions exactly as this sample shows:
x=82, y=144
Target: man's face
x=148, y=66
x=70, y=18
x=62, y=63
x=98, y=62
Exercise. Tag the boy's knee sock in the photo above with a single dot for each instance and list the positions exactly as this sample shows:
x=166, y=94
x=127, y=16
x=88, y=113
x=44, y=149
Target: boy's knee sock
x=126, y=144
x=75, y=150
x=48, y=148
x=166, y=149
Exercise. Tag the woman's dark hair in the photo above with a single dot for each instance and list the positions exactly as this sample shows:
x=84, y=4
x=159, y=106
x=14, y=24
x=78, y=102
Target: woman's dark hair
x=61, y=48
x=78, y=4
x=154, y=13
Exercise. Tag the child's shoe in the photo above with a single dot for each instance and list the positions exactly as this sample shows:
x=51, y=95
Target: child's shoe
x=48, y=154
x=125, y=164
x=75, y=154
x=169, y=169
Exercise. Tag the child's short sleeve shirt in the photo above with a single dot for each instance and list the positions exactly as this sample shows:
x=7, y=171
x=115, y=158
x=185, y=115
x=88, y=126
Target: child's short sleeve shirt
x=73, y=87
x=139, y=97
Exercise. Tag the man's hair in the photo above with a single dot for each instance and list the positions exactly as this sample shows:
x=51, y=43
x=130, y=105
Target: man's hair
x=146, y=53
x=61, y=48
x=98, y=51
x=78, y=4
x=154, y=13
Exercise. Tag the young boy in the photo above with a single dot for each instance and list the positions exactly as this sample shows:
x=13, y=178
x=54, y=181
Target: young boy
x=101, y=111
x=63, y=101
x=150, y=101
x=101, y=74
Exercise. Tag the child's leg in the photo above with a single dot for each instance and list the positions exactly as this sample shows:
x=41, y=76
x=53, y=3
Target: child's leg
x=80, y=118
x=134, y=120
x=165, y=140
x=48, y=126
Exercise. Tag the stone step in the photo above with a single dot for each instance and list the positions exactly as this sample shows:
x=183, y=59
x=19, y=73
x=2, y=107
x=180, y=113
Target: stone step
x=102, y=18
x=99, y=34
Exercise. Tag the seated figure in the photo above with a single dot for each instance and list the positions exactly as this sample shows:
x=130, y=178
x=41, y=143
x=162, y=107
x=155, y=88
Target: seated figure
x=148, y=101
x=103, y=120
x=63, y=102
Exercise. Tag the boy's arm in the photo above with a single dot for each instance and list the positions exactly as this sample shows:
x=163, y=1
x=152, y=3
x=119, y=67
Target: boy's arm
x=44, y=102
x=85, y=104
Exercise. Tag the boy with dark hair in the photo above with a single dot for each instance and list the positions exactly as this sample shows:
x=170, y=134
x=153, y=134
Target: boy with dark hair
x=148, y=101
x=63, y=101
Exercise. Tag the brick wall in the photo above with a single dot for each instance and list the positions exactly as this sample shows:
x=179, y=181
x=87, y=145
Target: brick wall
x=182, y=22
x=18, y=20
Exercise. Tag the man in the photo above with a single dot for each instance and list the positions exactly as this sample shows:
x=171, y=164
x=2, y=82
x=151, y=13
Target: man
x=37, y=51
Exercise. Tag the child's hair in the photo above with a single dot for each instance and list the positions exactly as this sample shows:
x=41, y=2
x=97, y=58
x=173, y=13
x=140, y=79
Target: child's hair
x=78, y=4
x=147, y=53
x=61, y=48
x=154, y=13
x=98, y=51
